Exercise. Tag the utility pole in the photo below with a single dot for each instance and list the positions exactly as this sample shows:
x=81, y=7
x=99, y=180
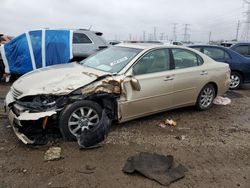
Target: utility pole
x=245, y=35
x=237, y=31
x=209, y=39
x=143, y=35
x=161, y=36
x=155, y=34
x=174, y=31
x=150, y=37
x=166, y=36
x=186, y=32
x=130, y=36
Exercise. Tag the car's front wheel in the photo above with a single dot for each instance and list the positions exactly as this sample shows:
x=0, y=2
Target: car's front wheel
x=236, y=80
x=79, y=116
x=206, y=97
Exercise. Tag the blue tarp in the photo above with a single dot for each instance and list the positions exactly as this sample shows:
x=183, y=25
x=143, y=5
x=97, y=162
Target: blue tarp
x=36, y=49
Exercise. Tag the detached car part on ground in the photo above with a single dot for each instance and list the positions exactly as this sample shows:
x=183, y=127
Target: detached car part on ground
x=239, y=65
x=123, y=82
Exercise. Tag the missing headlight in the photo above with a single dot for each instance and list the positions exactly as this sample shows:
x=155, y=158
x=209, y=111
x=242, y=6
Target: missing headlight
x=42, y=103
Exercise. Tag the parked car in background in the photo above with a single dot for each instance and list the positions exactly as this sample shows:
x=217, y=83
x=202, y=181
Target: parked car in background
x=45, y=47
x=170, y=42
x=114, y=42
x=125, y=82
x=239, y=65
x=242, y=48
x=86, y=42
x=227, y=44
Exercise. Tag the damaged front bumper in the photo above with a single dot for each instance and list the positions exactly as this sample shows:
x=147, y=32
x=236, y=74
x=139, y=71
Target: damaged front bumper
x=15, y=123
x=16, y=115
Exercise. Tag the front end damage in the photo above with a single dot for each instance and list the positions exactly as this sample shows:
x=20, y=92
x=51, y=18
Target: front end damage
x=32, y=117
x=29, y=116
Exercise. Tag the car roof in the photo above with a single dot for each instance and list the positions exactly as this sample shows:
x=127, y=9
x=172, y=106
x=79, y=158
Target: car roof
x=146, y=46
x=239, y=44
x=206, y=45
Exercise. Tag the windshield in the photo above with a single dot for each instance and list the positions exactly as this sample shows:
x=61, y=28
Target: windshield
x=112, y=59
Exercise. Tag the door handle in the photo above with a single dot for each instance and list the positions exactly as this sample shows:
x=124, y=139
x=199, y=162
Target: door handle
x=168, y=78
x=204, y=73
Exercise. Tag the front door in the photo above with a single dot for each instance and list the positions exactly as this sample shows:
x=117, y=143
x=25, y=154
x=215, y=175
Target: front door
x=154, y=74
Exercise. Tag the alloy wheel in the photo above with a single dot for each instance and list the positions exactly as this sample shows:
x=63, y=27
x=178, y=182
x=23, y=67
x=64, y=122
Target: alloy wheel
x=83, y=118
x=235, y=81
x=207, y=96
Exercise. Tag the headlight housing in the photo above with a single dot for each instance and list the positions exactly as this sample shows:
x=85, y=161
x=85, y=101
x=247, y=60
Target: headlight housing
x=42, y=103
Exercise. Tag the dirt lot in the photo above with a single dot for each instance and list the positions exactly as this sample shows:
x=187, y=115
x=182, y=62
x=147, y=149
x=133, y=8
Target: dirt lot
x=216, y=151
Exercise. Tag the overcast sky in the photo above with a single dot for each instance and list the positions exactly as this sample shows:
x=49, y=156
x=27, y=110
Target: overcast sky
x=119, y=19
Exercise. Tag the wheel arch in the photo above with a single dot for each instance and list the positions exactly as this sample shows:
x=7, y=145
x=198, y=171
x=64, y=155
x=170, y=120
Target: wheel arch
x=198, y=105
x=214, y=85
x=108, y=102
x=239, y=72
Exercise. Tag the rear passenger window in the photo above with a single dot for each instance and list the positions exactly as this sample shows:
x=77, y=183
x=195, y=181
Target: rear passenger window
x=214, y=53
x=184, y=59
x=242, y=50
x=79, y=38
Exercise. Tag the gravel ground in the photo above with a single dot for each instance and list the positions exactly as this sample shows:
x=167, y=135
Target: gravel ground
x=215, y=149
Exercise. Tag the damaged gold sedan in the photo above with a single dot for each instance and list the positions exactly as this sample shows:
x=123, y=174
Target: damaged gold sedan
x=122, y=83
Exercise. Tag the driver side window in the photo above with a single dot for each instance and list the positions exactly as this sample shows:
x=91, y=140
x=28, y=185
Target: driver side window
x=155, y=61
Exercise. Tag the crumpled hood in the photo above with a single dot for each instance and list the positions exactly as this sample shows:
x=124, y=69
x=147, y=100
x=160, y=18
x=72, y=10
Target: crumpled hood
x=56, y=80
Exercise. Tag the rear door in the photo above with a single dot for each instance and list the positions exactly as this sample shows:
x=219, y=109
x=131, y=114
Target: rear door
x=190, y=75
x=243, y=50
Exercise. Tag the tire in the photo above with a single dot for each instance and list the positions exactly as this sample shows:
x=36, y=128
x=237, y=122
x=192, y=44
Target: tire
x=206, y=97
x=75, y=118
x=236, y=80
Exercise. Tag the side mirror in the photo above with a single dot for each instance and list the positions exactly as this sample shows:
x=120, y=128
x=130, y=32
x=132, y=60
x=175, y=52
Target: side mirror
x=134, y=82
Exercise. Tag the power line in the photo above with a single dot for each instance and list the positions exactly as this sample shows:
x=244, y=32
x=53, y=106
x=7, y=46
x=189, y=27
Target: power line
x=174, y=31
x=186, y=35
x=209, y=37
x=237, y=31
x=155, y=38
x=144, y=35
x=245, y=35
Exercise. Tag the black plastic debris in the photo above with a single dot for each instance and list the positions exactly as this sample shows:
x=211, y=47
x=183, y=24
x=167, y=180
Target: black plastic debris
x=156, y=167
x=93, y=137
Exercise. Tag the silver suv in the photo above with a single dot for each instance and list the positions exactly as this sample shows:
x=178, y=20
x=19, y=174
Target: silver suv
x=86, y=42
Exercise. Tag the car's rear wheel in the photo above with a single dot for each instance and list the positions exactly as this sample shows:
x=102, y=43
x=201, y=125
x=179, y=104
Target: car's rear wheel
x=236, y=80
x=79, y=116
x=206, y=97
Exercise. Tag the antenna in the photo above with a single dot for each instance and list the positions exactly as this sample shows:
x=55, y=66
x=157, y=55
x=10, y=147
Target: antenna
x=90, y=27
